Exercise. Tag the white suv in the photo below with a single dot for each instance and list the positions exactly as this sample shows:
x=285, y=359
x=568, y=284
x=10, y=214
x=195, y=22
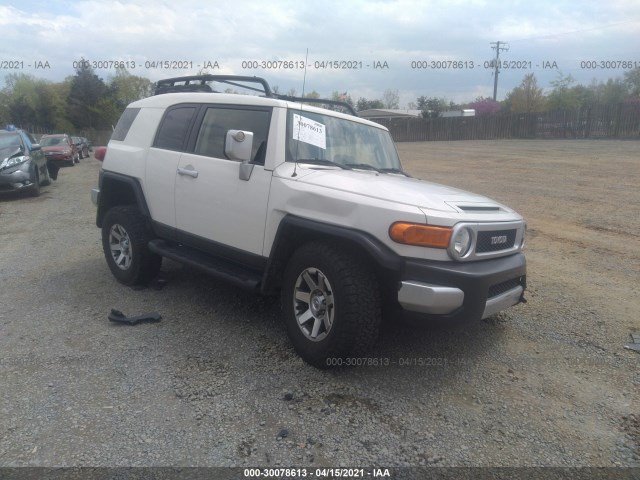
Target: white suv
x=282, y=197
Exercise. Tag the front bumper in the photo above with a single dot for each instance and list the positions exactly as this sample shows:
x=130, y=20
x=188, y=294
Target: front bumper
x=453, y=290
x=15, y=181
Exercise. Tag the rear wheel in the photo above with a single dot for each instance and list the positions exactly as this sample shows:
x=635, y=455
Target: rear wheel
x=331, y=304
x=124, y=240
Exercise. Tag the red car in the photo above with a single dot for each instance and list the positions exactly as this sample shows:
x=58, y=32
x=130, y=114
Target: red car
x=59, y=149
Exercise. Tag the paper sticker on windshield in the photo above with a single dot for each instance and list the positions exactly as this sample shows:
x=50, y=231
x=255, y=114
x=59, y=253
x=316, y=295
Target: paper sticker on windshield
x=309, y=131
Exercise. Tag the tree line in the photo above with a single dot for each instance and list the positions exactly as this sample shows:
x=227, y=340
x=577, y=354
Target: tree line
x=85, y=102
x=81, y=103
x=528, y=97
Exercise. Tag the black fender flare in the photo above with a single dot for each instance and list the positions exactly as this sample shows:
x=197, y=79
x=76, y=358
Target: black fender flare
x=294, y=231
x=112, y=186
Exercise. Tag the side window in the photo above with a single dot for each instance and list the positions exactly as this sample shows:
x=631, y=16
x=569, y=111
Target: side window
x=124, y=124
x=174, y=127
x=217, y=121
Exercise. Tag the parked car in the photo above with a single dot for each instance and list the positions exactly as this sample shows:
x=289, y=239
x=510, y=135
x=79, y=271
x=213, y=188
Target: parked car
x=23, y=166
x=59, y=149
x=81, y=146
x=88, y=143
x=280, y=197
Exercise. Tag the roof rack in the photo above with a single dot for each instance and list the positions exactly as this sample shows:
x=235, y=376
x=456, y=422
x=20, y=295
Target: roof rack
x=199, y=83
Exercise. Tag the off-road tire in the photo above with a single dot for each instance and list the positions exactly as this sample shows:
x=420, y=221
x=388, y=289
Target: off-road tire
x=135, y=264
x=355, y=299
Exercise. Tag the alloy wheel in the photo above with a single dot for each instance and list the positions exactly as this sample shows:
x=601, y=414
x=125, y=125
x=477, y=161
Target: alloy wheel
x=313, y=304
x=120, y=246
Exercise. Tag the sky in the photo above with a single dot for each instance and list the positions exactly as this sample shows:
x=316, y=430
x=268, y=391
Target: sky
x=363, y=47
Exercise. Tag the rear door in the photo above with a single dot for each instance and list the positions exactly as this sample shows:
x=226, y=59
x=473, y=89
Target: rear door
x=162, y=162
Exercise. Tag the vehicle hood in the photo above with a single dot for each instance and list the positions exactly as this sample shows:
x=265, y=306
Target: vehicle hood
x=396, y=188
x=8, y=152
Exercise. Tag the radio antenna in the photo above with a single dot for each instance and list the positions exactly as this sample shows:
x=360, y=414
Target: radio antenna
x=304, y=82
x=304, y=78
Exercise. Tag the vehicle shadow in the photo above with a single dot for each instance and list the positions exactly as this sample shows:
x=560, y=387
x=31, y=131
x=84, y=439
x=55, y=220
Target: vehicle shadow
x=8, y=197
x=400, y=345
x=201, y=312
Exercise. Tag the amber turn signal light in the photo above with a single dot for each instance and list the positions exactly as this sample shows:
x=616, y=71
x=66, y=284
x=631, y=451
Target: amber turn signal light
x=420, y=235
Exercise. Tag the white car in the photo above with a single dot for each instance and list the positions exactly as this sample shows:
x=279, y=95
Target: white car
x=282, y=197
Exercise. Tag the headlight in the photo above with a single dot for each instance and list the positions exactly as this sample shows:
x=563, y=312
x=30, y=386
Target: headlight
x=524, y=235
x=13, y=161
x=461, y=242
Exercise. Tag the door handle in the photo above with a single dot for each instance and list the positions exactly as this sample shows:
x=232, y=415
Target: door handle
x=188, y=171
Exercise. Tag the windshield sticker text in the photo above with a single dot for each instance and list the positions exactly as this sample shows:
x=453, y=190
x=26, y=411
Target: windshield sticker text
x=309, y=131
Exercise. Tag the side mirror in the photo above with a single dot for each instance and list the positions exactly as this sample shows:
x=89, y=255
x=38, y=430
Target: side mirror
x=35, y=147
x=238, y=146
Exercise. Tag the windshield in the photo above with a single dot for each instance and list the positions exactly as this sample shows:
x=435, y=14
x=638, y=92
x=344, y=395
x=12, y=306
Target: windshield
x=329, y=140
x=10, y=140
x=50, y=141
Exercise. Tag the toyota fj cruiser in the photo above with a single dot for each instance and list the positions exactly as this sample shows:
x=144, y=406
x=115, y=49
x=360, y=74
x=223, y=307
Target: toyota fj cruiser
x=278, y=196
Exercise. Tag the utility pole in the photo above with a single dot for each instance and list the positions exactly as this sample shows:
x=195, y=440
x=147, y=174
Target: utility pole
x=498, y=48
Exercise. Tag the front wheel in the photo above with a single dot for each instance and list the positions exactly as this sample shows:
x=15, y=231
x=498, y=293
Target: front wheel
x=124, y=240
x=331, y=304
x=47, y=177
x=34, y=189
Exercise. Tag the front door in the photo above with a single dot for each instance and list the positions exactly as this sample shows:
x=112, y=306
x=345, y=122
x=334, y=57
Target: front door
x=212, y=202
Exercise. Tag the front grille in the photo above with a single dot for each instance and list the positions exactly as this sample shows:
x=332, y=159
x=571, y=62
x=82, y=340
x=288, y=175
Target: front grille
x=495, y=240
x=499, y=288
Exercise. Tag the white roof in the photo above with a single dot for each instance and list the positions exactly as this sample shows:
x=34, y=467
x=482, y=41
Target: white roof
x=167, y=99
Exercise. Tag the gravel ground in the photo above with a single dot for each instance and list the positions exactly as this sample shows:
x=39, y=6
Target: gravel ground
x=216, y=383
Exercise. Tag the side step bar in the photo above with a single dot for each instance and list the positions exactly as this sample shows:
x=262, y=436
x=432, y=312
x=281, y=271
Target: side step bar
x=214, y=266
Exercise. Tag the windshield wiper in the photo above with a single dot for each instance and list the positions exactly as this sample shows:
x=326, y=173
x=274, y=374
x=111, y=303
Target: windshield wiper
x=366, y=166
x=395, y=170
x=322, y=161
x=363, y=166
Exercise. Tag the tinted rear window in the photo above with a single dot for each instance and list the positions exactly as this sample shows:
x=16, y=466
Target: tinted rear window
x=124, y=124
x=173, y=130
